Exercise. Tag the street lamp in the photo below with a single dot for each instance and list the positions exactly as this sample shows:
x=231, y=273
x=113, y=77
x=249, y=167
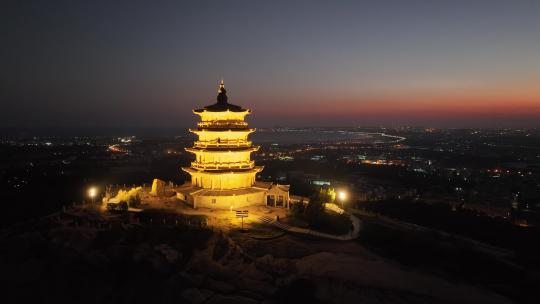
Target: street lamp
x=342, y=196
x=92, y=193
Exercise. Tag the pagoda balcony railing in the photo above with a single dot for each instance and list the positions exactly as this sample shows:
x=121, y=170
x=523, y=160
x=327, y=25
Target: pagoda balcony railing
x=222, y=124
x=223, y=165
x=223, y=144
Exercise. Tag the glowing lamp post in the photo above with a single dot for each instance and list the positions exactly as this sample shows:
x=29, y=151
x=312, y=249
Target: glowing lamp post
x=342, y=196
x=92, y=193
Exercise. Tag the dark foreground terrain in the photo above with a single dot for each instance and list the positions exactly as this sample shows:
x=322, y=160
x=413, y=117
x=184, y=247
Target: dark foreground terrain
x=86, y=257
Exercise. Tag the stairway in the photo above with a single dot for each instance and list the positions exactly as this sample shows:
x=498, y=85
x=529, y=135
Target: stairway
x=267, y=220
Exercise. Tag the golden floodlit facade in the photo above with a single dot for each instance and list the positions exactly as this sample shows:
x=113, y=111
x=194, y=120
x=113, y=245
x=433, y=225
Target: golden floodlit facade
x=223, y=174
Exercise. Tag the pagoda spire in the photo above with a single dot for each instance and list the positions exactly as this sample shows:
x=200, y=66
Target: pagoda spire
x=221, y=85
x=222, y=93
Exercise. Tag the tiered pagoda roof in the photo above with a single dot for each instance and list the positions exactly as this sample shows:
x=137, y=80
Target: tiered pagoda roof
x=221, y=105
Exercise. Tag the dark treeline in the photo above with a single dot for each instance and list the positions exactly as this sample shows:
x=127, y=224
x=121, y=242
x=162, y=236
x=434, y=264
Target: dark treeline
x=465, y=222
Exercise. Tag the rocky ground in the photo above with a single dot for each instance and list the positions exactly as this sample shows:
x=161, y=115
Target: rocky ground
x=88, y=258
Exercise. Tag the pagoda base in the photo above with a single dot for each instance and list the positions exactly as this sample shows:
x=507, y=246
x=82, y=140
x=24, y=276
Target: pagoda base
x=232, y=199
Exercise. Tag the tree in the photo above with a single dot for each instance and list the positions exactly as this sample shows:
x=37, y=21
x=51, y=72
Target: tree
x=315, y=208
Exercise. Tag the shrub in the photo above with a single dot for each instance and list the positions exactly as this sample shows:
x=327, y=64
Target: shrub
x=316, y=216
x=297, y=209
x=134, y=201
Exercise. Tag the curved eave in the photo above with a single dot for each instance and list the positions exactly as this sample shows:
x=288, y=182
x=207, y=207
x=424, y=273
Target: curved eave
x=221, y=150
x=201, y=111
x=218, y=129
x=248, y=131
x=255, y=169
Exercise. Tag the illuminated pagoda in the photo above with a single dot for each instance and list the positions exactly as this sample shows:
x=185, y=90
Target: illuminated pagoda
x=223, y=174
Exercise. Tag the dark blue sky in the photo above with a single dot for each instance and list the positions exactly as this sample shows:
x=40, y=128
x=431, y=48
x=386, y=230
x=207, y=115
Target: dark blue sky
x=148, y=63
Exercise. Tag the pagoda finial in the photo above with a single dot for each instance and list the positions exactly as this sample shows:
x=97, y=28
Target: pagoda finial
x=221, y=85
x=222, y=93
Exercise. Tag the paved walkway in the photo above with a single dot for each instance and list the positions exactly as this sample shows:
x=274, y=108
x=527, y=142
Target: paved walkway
x=344, y=237
x=219, y=219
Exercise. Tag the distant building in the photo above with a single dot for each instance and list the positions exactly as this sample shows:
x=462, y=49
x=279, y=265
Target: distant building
x=223, y=174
